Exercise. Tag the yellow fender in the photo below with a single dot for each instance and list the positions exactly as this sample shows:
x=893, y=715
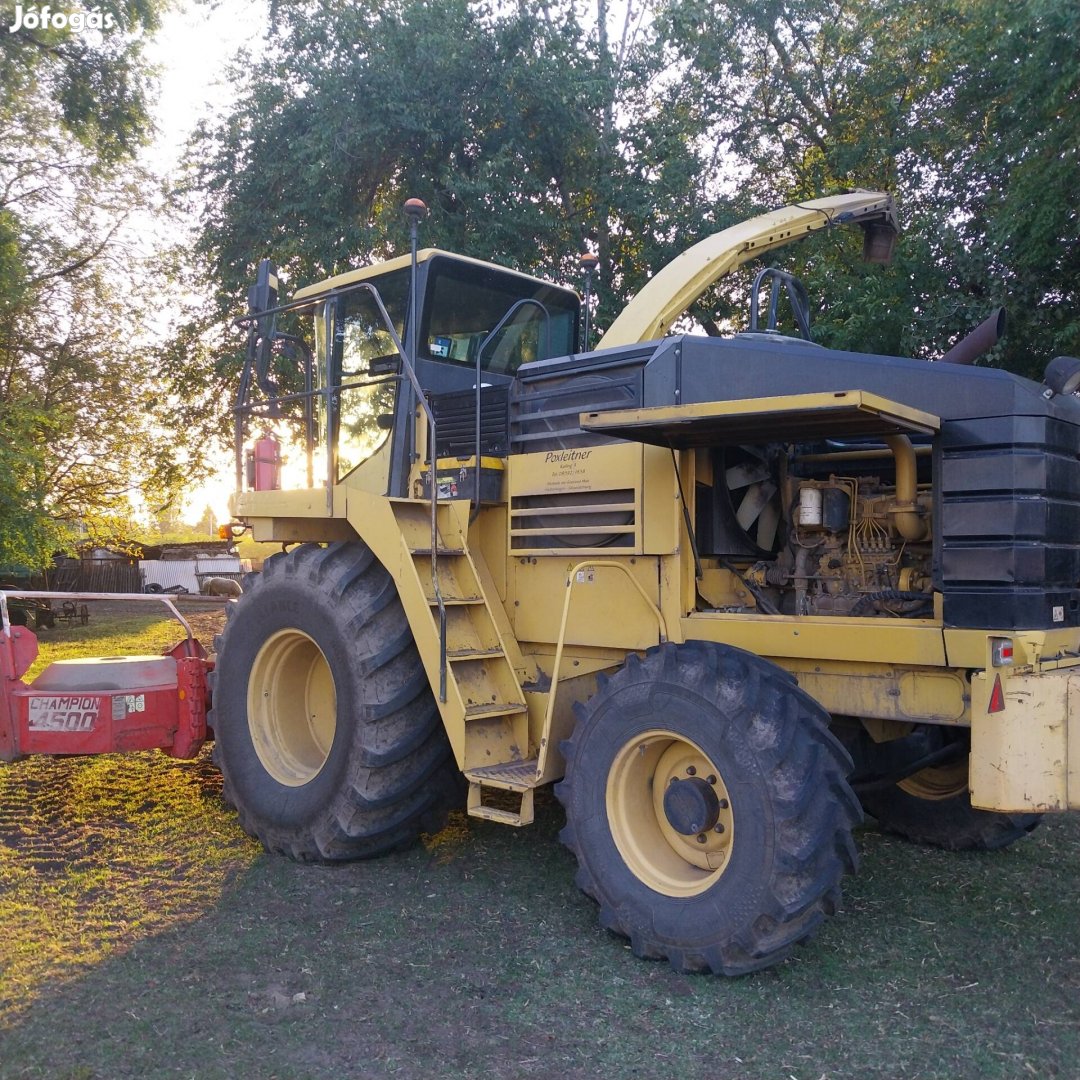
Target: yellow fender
x=663, y=299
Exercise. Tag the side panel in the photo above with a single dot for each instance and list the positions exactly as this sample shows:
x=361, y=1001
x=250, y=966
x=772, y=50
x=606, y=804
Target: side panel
x=605, y=609
x=1025, y=757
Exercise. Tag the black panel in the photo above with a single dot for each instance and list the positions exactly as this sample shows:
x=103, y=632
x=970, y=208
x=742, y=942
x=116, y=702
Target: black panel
x=546, y=407
x=455, y=422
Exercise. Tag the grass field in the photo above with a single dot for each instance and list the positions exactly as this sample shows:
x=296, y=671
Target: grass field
x=145, y=936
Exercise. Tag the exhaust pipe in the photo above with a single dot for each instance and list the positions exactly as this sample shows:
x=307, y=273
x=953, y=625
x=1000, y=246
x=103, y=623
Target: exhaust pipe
x=981, y=340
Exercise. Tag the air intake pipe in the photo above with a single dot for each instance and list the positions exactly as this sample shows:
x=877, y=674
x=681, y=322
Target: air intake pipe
x=905, y=513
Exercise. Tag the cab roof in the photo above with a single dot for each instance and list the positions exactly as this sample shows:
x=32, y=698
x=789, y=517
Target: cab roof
x=364, y=273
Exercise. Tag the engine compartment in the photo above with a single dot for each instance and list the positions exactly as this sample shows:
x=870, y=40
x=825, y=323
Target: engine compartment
x=816, y=531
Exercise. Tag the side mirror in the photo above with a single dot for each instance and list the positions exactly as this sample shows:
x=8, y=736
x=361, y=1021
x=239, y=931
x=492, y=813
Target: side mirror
x=384, y=365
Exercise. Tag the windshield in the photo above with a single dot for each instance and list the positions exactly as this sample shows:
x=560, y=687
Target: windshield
x=465, y=303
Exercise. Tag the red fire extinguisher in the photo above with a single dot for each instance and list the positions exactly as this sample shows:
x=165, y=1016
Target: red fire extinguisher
x=264, y=464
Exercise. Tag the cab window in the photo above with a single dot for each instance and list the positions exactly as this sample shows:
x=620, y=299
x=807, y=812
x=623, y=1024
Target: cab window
x=466, y=302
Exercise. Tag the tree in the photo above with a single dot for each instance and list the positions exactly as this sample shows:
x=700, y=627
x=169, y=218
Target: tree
x=966, y=109
x=79, y=420
x=533, y=133
x=530, y=134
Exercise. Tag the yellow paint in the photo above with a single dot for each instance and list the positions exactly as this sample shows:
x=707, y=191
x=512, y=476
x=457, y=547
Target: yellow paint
x=1026, y=758
x=1043, y=650
x=662, y=509
x=402, y=262
x=667, y=861
x=666, y=296
x=607, y=609
x=1020, y=757
x=780, y=416
x=883, y=691
x=914, y=642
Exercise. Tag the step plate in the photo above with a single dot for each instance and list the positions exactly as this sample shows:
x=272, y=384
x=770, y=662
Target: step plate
x=510, y=775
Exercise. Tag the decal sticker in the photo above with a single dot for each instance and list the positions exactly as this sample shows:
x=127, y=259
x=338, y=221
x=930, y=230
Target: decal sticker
x=73, y=714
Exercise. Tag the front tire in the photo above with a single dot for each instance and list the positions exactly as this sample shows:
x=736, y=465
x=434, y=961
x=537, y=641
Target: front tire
x=708, y=808
x=326, y=730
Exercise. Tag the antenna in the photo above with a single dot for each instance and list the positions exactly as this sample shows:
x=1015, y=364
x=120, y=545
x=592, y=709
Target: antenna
x=589, y=263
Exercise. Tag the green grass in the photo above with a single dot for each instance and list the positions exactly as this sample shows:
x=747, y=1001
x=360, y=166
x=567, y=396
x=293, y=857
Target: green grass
x=146, y=936
x=111, y=631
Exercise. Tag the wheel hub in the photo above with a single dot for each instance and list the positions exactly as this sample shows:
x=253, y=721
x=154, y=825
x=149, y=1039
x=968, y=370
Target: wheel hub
x=292, y=707
x=691, y=805
x=670, y=813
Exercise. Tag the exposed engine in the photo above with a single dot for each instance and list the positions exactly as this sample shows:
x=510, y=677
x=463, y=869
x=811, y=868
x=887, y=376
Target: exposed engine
x=854, y=542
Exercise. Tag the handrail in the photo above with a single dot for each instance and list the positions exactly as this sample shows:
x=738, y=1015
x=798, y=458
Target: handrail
x=475, y=509
x=242, y=406
x=410, y=373
x=418, y=390
x=571, y=581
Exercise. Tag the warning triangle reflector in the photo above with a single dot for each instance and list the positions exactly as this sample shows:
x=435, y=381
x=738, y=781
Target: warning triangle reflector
x=997, y=697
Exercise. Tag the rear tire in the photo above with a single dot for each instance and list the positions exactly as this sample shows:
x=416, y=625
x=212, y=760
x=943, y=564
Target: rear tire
x=731, y=877
x=327, y=733
x=933, y=806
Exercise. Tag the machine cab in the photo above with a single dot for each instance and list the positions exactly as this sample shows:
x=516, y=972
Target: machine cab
x=333, y=396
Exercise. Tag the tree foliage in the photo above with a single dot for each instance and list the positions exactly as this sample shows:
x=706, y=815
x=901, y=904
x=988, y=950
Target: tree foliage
x=530, y=135
x=534, y=131
x=969, y=110
x=78, y=408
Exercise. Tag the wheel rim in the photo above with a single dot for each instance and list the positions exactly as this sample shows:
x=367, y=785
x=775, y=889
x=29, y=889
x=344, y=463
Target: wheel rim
x=649, y=821
x=938, y=782
x=292, y=707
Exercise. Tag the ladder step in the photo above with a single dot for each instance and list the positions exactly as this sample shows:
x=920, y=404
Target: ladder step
x=442, y=551
x=473, y=654
x=510, y=775
x=523, y=815
x=494, y=708
x=503, y=817
x=454, y=601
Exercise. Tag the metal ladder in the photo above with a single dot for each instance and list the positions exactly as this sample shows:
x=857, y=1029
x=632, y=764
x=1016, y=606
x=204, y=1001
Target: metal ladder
x=481, y=698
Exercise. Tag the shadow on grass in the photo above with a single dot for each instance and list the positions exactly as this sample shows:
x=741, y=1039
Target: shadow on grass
x=476, y=957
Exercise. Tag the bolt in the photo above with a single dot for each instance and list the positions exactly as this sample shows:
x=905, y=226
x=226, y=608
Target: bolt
x=691, y=771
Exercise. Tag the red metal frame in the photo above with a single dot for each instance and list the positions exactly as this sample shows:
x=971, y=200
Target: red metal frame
x=157, y=704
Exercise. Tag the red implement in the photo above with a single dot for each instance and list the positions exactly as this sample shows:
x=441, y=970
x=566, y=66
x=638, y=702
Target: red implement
x=102, y=706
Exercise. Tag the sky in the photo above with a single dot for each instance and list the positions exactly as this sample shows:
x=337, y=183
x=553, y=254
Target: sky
x=192, y=51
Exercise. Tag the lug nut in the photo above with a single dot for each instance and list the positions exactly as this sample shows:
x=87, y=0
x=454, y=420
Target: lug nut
x=712, y=779
x=719, y=828
x=724, y=804
x=691, y=771
x=702, y=838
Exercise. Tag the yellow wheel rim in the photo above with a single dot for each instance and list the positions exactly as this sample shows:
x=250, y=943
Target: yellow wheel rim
x=676, y=843
x=291, y=707
x=937, y=782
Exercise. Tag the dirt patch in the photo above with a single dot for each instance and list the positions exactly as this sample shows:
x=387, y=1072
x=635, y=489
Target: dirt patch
x=206, y=625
